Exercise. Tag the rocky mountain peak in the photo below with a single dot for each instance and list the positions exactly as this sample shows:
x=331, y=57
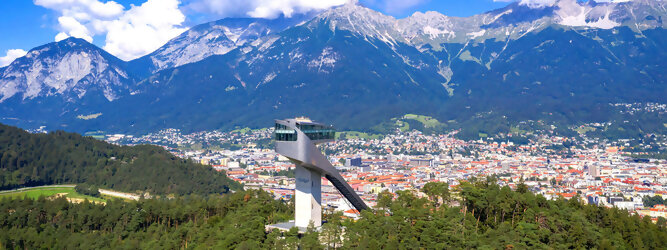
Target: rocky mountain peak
x=361, y=21
x=70, y=67
x=213, y=38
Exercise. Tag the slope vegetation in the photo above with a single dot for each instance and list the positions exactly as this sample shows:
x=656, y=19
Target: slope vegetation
x=489, y=217
x=60, y=157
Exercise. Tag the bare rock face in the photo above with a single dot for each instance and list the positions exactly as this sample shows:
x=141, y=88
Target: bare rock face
x=70, y=68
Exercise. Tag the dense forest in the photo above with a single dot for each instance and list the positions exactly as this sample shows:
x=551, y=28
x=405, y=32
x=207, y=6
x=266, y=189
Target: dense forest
x=490, y=216
x=224, y=222
x=475, y=215
x=59, y=157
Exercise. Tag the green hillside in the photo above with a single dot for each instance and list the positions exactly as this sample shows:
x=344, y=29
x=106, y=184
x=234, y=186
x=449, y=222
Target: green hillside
x=66, y=158
x=50, y=191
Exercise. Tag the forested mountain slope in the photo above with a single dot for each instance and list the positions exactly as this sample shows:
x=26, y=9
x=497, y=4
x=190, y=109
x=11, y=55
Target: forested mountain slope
x=60, y=157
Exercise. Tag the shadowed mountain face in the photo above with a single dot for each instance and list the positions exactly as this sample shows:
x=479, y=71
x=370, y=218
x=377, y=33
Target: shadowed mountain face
x=356, y=68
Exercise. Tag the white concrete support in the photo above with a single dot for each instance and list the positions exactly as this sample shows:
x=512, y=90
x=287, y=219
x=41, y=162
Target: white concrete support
x=308, y=200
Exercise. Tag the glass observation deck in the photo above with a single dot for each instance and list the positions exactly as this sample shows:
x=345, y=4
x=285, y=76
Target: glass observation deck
x=315, y=132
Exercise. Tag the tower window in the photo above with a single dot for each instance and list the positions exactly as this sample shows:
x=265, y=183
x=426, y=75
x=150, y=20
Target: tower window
x=284, y=133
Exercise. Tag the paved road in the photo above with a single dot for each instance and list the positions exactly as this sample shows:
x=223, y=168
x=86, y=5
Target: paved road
x=119, y=194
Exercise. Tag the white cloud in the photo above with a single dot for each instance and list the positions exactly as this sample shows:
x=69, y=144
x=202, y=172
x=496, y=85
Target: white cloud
x=129, y=33
x=73, y=28
x=143, y=29
x=75, y=13
x=12, y=54
x=261, y=8
x=83, y=9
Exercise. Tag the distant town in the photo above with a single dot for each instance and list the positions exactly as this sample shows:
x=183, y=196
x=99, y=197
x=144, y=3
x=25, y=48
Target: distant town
x=596, y=171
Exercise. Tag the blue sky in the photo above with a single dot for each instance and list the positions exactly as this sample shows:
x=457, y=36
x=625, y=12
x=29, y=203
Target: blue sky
x=131, y=28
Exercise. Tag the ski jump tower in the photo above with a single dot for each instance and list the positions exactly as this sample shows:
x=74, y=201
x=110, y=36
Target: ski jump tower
x=296, y=139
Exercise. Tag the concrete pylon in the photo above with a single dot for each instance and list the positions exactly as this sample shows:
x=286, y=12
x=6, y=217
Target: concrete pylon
x=308, y=197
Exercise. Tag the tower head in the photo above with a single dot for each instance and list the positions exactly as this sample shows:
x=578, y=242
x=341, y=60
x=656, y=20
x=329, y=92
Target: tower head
x=304, y=130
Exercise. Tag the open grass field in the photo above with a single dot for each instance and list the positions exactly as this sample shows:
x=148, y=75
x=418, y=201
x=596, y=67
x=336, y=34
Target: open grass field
x=429, y=122
x=34, y=193
x=584, y=129
x=357, y=135
x=241, y=130
x=403, y=126
x=517, y=131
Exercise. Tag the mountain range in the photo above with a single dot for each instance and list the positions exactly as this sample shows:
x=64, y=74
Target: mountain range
x=355, y=68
